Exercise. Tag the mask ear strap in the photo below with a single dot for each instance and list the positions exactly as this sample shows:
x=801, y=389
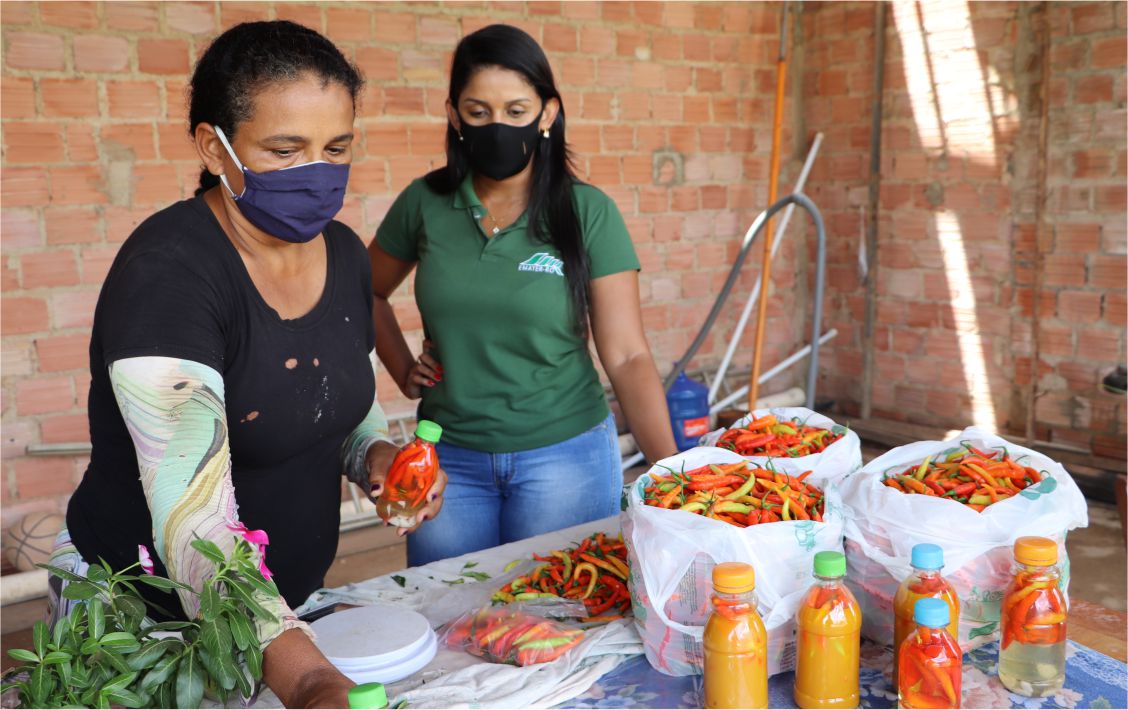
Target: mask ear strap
x=231, y=152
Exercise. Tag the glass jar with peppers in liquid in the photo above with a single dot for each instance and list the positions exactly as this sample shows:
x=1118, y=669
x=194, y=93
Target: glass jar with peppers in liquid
x=410, y=477
x=924, y=583
x=1032, y=650
x=929, y=662
x=736, y=642
x=828, y=653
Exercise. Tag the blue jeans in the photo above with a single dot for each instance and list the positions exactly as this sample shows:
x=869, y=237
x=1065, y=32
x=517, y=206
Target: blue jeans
x=492, y=499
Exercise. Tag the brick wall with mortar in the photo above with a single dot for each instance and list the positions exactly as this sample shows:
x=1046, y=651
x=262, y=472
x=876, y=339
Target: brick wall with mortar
x=954, y=338
x=669, y=109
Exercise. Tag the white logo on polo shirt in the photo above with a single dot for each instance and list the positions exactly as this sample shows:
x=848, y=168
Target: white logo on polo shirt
x=542, y=263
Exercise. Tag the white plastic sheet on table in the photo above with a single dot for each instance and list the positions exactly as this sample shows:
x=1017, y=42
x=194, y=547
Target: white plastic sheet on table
x=883, y=524
x=672, y=554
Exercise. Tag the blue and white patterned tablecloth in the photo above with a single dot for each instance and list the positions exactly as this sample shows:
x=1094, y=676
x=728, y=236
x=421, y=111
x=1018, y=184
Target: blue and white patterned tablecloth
x=1092, y=680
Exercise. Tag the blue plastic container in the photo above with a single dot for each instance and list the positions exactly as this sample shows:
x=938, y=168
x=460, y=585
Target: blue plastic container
x=688, y=402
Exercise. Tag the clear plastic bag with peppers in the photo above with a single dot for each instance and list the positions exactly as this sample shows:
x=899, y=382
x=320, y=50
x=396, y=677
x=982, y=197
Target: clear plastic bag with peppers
x=510, y=635
x=672, y=554
x=806, y=438
x=976, y=533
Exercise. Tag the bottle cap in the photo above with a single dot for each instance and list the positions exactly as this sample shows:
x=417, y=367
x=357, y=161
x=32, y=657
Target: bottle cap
x=368, y=696
x=830, y=564
x=734, y=578
x=933, y=613
x=1039, y=551
x=428, y=431
x=927, y=556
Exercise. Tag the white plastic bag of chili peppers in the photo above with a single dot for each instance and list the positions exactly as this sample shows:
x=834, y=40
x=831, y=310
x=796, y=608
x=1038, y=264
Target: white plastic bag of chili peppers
x=1036, y=496
x=805, y=440
x=673, y=552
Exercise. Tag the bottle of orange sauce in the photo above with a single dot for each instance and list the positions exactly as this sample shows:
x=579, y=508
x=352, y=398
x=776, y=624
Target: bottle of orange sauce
x=736, y=642
x=828, y=650
x=410, y=477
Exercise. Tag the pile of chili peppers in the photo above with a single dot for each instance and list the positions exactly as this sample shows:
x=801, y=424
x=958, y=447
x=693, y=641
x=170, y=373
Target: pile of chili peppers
x=930, y=667
x=737, y=494
x=970, y=476
x=767, y=436
x=1033, y=610
x=595, y=572
x=514, y=637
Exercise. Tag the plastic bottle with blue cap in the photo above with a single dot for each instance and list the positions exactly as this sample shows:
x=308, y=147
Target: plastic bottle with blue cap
x=925, y=582
x=929, y=662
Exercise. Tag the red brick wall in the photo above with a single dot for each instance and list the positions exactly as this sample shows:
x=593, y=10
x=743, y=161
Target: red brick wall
x=95, y=139
x=954, y=340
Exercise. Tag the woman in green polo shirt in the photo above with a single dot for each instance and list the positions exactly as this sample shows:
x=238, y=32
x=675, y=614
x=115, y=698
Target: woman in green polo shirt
x=516, y=260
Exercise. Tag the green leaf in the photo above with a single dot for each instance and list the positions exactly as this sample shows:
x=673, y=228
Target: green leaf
x=89, y=647
x=189, y=682
x=39, y=637
x=97, y=574
x=61, y=573
x=217, y=638
x=161, y=672
x=245, y=597
x=480, y=576
x=218, y=670
x=57, y=657
x=469, y=565
x=162, y=583
x=398, y=579
x=113, y=657
x=453, y=582
x=120, y=641
x=241, y=631
x=121, y=681
x=241, y=681
x=125, y=697
x=253, y=657
x=59, y=633
x=79, y=591
x=210, y=603
x=169, y=626
x=210, y=550
x=984, y=630
x=23, y=655
x=149, y=653
x=97, y=614
x=166, y=696
x=40, y=685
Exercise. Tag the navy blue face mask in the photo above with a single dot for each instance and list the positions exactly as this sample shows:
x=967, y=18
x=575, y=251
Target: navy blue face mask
x=293, y=204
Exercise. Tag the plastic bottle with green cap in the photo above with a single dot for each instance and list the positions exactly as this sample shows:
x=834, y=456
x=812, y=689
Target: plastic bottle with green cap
x=924, y=583
x=368, y=696
x=929, y=662
x=1032, y=649
x=829, y=639
x=410, y=477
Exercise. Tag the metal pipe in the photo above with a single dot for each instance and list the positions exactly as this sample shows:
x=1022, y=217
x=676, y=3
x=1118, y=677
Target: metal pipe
x=871, y=226
x=749, y=237
x=788, y=362
x=773, y=187
x=780, y=231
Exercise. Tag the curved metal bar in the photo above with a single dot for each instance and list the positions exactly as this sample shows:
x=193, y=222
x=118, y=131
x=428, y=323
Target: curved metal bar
x=805, y=202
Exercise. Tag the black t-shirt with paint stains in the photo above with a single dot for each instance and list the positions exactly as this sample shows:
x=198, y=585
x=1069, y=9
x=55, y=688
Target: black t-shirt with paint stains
x=294, y=389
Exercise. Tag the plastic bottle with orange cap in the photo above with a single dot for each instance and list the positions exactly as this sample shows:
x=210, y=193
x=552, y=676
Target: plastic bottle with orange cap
x=736, y=642
x=1032, y=649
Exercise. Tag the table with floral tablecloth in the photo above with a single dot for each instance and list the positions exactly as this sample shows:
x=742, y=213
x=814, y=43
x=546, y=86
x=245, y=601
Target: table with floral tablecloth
x=1092, y=680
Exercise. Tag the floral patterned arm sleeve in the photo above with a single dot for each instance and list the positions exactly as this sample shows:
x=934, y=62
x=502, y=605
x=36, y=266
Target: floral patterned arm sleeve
x=373, y=428
x=174, y=411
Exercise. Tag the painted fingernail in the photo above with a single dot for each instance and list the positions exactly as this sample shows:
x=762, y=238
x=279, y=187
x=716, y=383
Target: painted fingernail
x=430, y=383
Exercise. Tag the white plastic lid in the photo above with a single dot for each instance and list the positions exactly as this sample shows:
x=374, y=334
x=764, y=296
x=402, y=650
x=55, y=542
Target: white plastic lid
x=378, y=643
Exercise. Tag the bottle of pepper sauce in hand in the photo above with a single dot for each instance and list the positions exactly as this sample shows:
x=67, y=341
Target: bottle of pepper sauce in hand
x=410, y=477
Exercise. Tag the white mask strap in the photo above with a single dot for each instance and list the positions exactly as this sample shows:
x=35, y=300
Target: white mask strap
x=231, y=152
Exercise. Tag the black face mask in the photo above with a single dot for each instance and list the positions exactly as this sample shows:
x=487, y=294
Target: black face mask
x=498, y=150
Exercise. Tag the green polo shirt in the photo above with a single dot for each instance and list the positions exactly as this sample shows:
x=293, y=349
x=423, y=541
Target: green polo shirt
x=515, y=375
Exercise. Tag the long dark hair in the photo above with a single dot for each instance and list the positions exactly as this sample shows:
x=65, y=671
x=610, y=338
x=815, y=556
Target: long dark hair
x=251, y=56
x=552, y=212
